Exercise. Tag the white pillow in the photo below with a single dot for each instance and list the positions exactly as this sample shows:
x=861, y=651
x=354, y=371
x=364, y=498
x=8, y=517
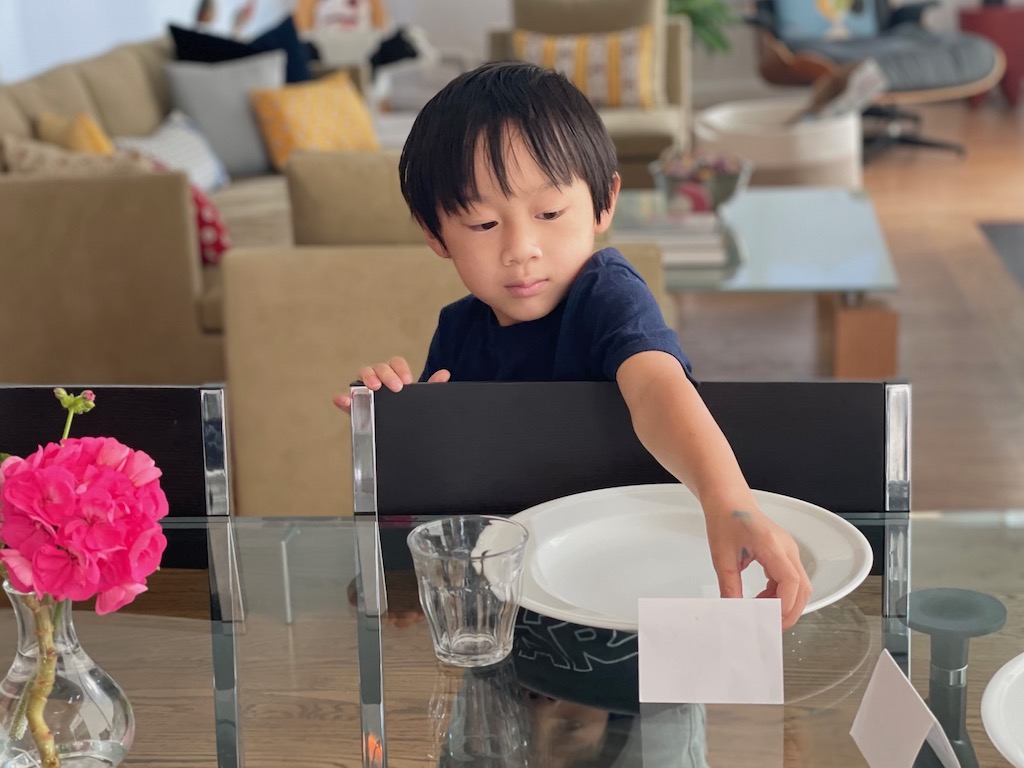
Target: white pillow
x=216, y=96
x=179, y=145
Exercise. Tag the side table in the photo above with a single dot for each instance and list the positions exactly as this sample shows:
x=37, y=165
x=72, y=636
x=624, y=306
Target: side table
x=1004, y=26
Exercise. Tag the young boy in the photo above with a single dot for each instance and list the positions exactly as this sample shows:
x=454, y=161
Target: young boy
x=511, y=174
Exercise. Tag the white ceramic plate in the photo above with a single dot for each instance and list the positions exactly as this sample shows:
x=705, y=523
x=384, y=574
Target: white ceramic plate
x=592, y=555
x=1002, y=710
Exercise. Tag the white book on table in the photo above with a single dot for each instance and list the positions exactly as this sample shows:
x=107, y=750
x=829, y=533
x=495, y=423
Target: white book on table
x=714, y=255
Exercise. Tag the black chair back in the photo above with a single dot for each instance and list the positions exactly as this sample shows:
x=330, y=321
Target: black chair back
x=168, y=423
x=500, y=448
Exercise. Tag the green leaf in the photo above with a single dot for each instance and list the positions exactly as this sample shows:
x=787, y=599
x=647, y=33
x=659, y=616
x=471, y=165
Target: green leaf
x=4, y=457
x=709, y=20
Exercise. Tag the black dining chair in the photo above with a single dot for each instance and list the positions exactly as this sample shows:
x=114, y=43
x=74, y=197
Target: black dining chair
x=499, y=448
x=183, y=429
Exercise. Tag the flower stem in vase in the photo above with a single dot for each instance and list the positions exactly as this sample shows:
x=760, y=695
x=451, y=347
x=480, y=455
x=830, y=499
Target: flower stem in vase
x=42, y=683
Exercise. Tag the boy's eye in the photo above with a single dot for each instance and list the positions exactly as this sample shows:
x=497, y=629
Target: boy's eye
x=549, y=215
x=483, y=227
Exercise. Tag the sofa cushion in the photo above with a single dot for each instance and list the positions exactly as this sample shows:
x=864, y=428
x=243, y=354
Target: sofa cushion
x=179, y=145
x=643, y=132
x=256, y=211
x=612, y=69
x=318, y=180
x=325, y=115
x=80, y=133
x=216, y=96
x=197, y=46
x=60, y=90
x=122, y=92
x=152, y=55
x=12, y=119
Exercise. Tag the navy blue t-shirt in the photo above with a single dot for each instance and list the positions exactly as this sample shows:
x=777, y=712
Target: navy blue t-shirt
x=608, y=316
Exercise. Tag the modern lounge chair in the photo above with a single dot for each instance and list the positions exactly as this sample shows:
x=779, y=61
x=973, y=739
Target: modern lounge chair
x=799, y=44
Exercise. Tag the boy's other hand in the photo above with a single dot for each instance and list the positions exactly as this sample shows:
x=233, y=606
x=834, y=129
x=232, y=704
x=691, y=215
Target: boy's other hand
x=394, y=374
x=740, y=537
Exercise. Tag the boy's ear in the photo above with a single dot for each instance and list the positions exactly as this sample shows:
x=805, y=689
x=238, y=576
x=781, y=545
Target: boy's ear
x=605, y=219
x=434, y=242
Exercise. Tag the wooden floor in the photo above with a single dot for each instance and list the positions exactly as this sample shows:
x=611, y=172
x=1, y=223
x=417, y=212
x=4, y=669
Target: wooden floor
x=962, y=315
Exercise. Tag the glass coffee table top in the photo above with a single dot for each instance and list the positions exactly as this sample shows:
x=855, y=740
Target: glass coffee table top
x=779, y=239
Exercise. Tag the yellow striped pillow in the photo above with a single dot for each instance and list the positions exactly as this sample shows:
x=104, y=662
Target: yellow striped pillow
x=615, y=69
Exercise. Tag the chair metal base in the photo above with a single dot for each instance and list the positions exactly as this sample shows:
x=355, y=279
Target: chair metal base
x=899, y=127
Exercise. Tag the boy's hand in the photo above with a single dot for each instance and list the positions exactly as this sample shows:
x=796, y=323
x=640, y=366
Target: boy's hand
x=738, y=538
x=394, y=374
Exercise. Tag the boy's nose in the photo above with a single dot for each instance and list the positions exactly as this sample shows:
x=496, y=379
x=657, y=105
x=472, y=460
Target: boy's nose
x=519, y=247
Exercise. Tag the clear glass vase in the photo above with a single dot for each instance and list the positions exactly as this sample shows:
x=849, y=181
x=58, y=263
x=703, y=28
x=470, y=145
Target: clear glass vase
x=90, y=717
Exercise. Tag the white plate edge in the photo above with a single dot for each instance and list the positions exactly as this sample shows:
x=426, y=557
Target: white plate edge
x=599, y=621
x=990, y=711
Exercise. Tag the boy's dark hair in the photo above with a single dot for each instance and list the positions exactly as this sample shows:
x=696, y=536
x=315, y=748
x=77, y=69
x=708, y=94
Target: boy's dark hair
x=559, y=126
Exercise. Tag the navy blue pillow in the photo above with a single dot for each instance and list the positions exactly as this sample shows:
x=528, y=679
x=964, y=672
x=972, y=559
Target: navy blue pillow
x=197, y=46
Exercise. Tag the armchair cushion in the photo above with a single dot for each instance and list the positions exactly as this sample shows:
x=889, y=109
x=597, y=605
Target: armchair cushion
x=580, y=17
x=612, y=69
x=643, y=133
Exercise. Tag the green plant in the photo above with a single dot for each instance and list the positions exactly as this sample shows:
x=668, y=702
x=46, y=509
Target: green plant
x=709, y=19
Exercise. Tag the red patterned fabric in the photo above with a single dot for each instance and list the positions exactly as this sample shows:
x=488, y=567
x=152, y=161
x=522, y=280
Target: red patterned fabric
x=214, y=240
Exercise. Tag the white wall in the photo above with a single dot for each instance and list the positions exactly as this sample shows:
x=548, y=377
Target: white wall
x=459, y=26
x=38, y=34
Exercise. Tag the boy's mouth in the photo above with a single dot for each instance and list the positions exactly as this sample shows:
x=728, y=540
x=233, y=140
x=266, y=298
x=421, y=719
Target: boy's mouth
x=526, y=288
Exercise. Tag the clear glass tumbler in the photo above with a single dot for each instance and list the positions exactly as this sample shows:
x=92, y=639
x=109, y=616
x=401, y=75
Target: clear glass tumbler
x=470, y=573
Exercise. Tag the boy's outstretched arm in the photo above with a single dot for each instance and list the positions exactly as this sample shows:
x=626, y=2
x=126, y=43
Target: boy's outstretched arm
x=672, y=422
x=394, y=374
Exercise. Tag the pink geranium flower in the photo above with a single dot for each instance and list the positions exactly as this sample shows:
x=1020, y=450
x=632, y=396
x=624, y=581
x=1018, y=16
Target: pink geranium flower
x=80, y=519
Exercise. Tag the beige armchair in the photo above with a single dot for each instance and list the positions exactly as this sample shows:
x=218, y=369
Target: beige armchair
x=640, y=135
x=298, y=324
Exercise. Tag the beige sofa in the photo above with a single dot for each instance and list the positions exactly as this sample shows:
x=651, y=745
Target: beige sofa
x=640, y=135
x=112, y=262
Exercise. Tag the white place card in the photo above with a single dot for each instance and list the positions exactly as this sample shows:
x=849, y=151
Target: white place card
x=893, y=722
x=710, y=651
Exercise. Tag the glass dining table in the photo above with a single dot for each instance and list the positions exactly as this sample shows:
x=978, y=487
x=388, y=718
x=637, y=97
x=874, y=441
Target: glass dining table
x=268, y=653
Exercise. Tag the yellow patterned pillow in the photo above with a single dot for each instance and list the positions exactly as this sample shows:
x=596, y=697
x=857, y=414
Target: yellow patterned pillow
x=80, y=133
x=615, y=69
x=326, y=115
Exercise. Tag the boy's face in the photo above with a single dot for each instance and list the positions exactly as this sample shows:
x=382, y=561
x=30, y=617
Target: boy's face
x=520, y=254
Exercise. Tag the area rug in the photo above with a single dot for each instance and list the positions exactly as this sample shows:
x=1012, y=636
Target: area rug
x=1007, y=239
